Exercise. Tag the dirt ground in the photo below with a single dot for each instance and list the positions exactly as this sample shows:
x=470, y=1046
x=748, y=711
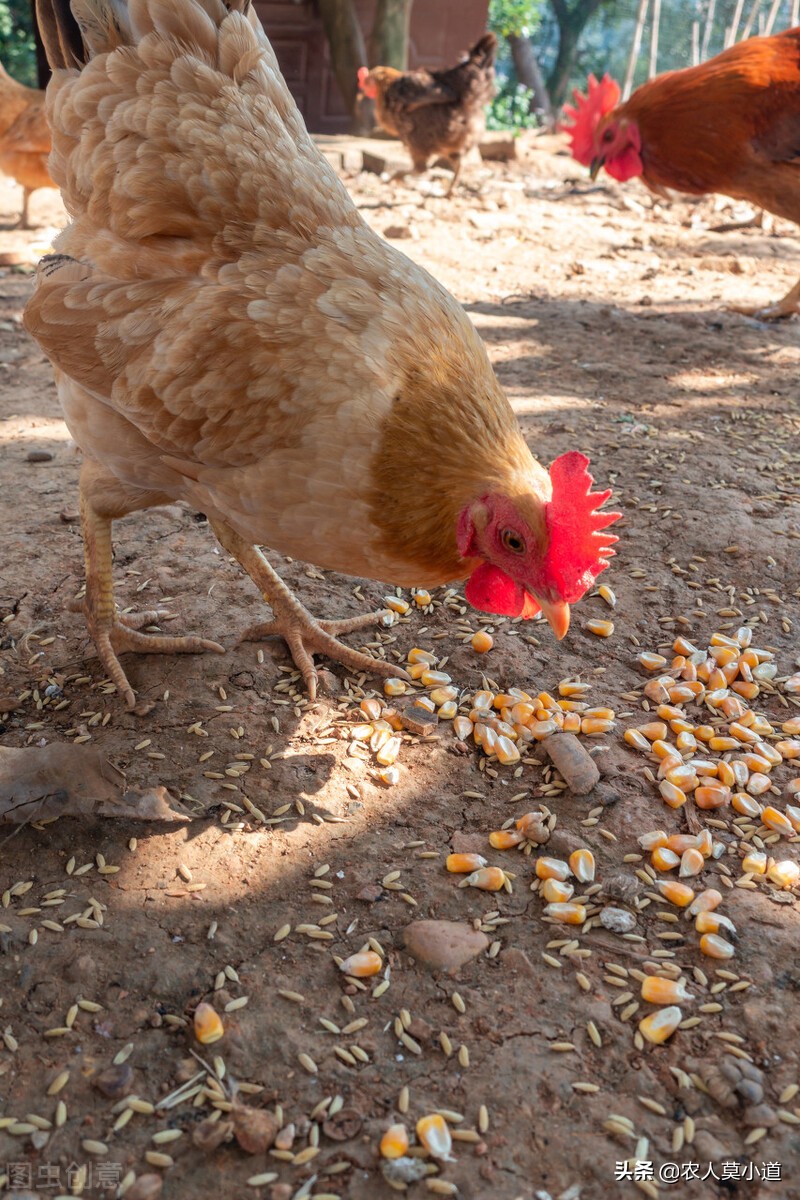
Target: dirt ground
x=604, y=314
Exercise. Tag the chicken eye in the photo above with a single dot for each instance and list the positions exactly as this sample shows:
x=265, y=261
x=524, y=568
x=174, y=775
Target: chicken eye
x=608, y=136
x=513, y=542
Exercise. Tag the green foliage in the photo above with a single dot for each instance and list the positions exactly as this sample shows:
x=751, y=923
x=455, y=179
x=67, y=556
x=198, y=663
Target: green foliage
x=17, y=48
x=511, y=108
x=508, y=18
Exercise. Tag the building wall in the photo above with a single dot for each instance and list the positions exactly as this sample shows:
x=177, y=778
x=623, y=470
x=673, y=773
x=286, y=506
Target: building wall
x=440, y=31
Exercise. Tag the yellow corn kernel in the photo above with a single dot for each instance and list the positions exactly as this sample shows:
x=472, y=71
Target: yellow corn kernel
x=712, y=922
x=754, y=762
x=786, y=873
x=663, y=749
x=552, y=868
x=744, y=636
x=692, y=863
x=443, y=695
x=791, y=726
x=361, y=733
x=793, y=814
x=506, y=839
x=394, y=1142
x=758, y=783
x=553, y=891
x=506, y=751
x=371, y=709
x=422, y=598
x=599, y=628
x=208, y=1027
x=660, y=1025
x=462, y=728
x=651, y=662
x=362, y=965
x=732, y=707
x=742, y=733
x=417, y=670
x=483, y=699
x=572, y=723
x=707, y=901
x=490, y=741
x=447, y=711
x=435, y=678
x=434, y=1133
x=723, y=743
x=683, y=777
x=636, y=738
x=716, y=691
x=656, y=690
x=726, y=774
x=746, y=689
x=542, y=729
x=793, y=786
x=671, y=795
x=394, y=687
x=388, y=752
x=421, y=656
x=389, y=776
x=529, y=822
x=651, y=841
x=654, y=731
x=712, y=797
x=596, y=725
x=582, y=865
x=755, y=862
x=607, y=594
x=746, y=805
x=656, y=990
x=569, y=688
x=482, y=642
x=678, y=842
x=681, y=725
x=664, y=859
x=792, y=685
x=395, y=604
x=723, y=655
x=777, y=821
x=679, y=894
x=715, y=946
x=705, y=843
x=721, y=639
x=680, y=693
x=567, y=913
x=788, y=749
x=464, y=864
x=488, y=879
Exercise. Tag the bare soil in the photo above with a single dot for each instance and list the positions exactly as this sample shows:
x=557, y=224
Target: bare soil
x=604, y=315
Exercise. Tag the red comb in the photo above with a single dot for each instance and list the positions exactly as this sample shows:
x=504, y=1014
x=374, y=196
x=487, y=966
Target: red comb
x=589, y=110
x=578, y=550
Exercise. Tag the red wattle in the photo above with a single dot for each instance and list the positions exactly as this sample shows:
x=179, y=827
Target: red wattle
x=490, y=590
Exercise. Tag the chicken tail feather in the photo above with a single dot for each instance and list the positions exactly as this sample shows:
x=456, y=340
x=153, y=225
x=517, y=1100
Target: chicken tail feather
x=61, y=34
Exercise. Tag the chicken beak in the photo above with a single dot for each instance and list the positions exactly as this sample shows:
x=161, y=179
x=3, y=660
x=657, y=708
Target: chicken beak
x=557, y=615
x=596, y=167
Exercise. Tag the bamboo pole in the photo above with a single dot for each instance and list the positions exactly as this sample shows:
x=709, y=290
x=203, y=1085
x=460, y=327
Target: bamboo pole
x=641, y=17
x=695, y=43
x=733, y=28
x=707, y=30
x=748, y=29
x=795, y=16
x=772, y=17
x=656, y=21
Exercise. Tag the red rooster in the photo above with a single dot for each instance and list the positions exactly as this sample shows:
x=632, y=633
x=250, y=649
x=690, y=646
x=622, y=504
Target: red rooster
x=730, y=125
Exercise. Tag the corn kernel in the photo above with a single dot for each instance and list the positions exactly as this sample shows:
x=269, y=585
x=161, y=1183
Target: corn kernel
x=770, y=753
x=786, y=873
x=682, y=645
x=361, y=733
x=791, y=726
x=488, y=879
x=552, y=868
x=660, y=1025
x=464, y=864
x=542, y=729
x=395, y=604
x=681, y=725
x=683, y=777
x=591, y=725
x=208, y=1027
x=692, y=863
x=748, y=690
x=663, y=749
x=572, y=723
x=434, y=1133
x=792, y=685
x=793, y=814
x=742, y=733
x=656, y=691
x=568, y=912
x=723, y=743
x=483, y=699
x=679, y=894
x=726, y=774
x=389, y=776
x=489, y=741
x=602, y=629
x=443, y=695
x=556, y=892
x=607, y=594
x=755, y=862
x=715, y=946
x=422, y=598
x=707, y=901
x=421, y=656
x=793, y=787
x=583, y=865
x=362, y=965
x=788, y=749
x=656, y=990
x=506, y=751
x=394, y=1142
x=705, y=843
x=664, y=859
x=447, y=711
x=671, y=795
x=371, y=709
x=712, y=797
x=388, y=752
x=529, y=822
x=651, y=662
x=636, y=739
x=394, y=687
x=712, y=922
x=482, y=642
x=506, y=839
x=777, y=821
x=462, y=728
x=654, y=731
x=431, y=678
x=573, y=688
x=651, y=841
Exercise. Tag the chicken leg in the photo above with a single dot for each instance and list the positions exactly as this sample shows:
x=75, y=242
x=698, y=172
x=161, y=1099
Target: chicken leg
x=785, y=307
x=111, y=633
x=304, y=635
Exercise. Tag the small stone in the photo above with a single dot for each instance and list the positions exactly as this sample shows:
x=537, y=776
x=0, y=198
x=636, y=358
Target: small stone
x=444, y=945
x=39, y=1139
x=617, y=920
x=38, y=456
x=752, y=1093
x=208, y=1135
x=344, y=1125
x=397, y=231
x=497, y=146
x=417, y=719
x=625, y=888
x=403, y=1170
x=285, y=1138
x=573, y=762
x=370, y=892
x=115, y=1081
x=759, y=1114
x=146, y=1187
x=255, y=1129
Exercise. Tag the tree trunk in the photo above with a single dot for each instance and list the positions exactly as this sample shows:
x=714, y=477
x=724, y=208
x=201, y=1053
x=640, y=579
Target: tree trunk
x=652, y=69
x=636, y=46
x=529, y=74
x=388, y=42
x=347, y=48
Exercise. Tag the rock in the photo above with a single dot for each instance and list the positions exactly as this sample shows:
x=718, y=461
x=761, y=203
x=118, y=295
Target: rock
x=115, y=1081
x=146, y=1187
x=396, y=232
x=38, y=456
x=752, y=1093
x=759, y=1114
x=419, y=720
x=81, y=969
x=208, y=1135
x=625, y=888
x=255, y=1129
x=617, y=920
x=8, y=704
x=444, y=945
x=370, y=892
x=498, y=147
x=573, y=762
x=346, y=1124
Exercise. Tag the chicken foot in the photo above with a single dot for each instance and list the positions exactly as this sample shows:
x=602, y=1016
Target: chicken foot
x=111, y=632
x=303, y=633
x=786, y=307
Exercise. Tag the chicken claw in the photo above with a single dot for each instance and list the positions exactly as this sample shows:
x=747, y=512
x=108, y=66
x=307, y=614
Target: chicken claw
x=304, y=634
x=787, y=306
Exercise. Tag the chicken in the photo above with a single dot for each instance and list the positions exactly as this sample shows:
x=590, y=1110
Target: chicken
x=226, y=330
x=435, y=114
x=730, y=125
x=24, y=139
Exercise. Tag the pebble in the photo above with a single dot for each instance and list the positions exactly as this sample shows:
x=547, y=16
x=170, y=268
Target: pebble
x=38, y=456
x=573, y=762
x=444, y=945
x=618, y=920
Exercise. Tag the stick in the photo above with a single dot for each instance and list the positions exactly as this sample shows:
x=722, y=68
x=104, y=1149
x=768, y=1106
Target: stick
x=653, y=68
x=641, y=17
